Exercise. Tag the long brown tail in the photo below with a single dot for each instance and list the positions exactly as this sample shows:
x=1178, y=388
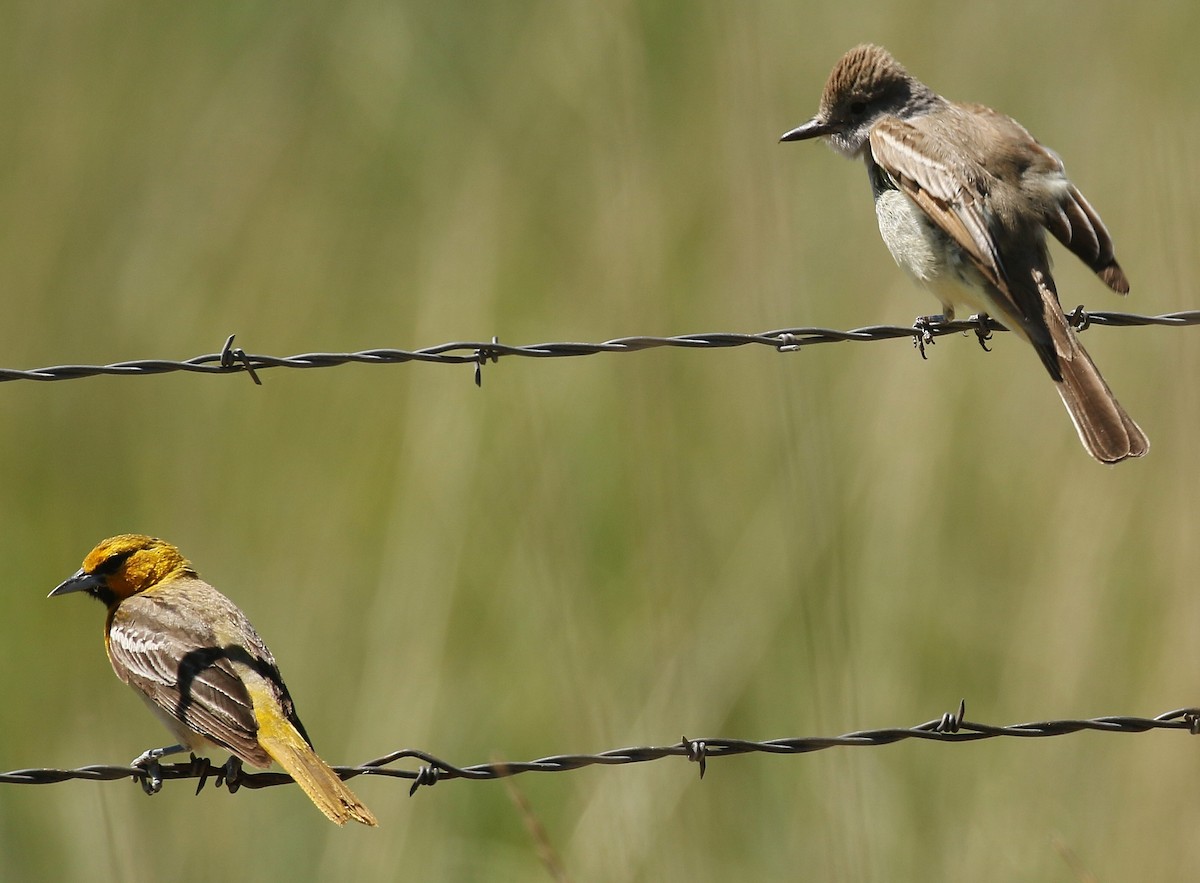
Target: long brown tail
x=319, y=782
x=1108, y=433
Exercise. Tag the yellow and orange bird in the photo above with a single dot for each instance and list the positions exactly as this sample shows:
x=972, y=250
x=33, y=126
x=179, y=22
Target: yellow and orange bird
x=200, y=666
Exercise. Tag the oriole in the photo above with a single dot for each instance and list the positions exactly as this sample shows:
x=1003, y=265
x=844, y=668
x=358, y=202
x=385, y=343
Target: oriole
x=194, y=658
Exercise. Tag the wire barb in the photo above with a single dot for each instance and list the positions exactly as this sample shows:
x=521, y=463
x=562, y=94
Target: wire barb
x=233, y=359
x=482, y=355
x=696, y=752
x=230, y=358
x=1192, y=719
x=952, y=722
x=788, y=343
x=203, y=769
x=426, y=775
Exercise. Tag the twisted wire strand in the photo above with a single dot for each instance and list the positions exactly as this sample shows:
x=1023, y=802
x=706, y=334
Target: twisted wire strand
x=234, y=360
x=951, y=727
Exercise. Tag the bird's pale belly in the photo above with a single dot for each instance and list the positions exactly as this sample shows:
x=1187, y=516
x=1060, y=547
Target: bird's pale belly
x=929, y=256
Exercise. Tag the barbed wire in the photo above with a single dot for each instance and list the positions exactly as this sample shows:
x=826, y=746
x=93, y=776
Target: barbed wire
x=234, y=360
x=952, y=727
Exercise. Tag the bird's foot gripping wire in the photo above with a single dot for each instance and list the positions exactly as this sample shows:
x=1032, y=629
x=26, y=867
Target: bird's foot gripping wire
x=983, y=330
x=924, y=336
x=230, y=775
x=151, y=780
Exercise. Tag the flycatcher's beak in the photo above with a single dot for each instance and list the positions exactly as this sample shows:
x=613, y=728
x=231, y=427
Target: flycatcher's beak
x=79, y=582
x=814, y=128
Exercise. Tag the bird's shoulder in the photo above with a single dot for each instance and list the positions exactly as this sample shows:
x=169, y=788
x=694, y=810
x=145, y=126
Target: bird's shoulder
x=999, y=144
x=971, y=145
x=921, y=153
x=157, y=628
x=189, y=608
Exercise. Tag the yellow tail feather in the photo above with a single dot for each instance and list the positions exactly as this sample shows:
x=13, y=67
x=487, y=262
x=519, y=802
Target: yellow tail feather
x=312, y=774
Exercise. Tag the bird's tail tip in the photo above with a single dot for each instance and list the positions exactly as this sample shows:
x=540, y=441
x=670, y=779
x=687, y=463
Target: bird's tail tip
x=1108, y=433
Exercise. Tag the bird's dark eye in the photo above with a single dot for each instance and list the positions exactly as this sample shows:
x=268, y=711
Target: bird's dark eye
x=113, y=563
x=857, y=107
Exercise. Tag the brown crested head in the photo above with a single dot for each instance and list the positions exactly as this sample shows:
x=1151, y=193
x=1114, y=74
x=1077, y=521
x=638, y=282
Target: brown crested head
x=125, y=565
x=866, y=75
x=865, y=85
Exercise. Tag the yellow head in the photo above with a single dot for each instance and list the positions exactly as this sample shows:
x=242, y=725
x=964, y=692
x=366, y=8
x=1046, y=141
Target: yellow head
x=125, y=565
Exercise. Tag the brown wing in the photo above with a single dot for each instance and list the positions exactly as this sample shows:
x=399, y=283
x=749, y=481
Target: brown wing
x=1043, y=178
x=1076, y=225
x=182, y=668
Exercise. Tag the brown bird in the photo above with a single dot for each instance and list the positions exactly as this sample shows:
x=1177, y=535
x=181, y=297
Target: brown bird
x=200, y=666
x=963, y=197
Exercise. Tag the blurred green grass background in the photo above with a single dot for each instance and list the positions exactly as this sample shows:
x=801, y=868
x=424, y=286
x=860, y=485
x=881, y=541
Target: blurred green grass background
x=598, y=552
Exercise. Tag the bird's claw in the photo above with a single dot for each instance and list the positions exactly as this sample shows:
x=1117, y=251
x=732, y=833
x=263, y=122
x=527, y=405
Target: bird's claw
x=923, y=326
x=230, y=775
x=151, y=781
x=983, y=330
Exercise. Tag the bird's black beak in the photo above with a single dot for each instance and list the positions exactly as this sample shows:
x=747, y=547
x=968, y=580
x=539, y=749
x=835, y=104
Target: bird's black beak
x=79, y=582
x=814, y=128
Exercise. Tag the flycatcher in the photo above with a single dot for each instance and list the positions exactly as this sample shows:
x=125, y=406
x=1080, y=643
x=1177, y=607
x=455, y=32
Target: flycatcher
x=963, y=196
